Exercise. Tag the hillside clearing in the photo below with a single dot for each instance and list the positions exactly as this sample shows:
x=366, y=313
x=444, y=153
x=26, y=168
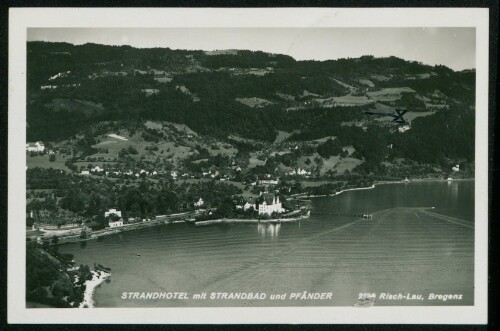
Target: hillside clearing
x=254, y=102
x=346, y=100
x=74, y=105
x=389, y=94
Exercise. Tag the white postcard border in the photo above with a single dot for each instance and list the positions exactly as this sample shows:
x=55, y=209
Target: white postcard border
x=22, y=18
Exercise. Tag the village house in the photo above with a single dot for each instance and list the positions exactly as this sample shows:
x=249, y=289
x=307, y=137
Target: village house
x=300, y=172
x=35, y=147
x=199, y=203
x=268, y=182
x=114, y=224
x=248, y=206
x=112, y=211
x=404, y=128
x=97, y=169
x=456, y=168
x=85, y=172
x=270, y=204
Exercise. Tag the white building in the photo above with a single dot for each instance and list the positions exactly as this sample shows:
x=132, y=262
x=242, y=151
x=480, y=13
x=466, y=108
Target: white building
x=116, y=223
x=456, y=168
x=97, y=169
x=270, y=205
x=249, y=205
x=173, y=174
x=85, y=172
x=35, y=147
x=303, y=172
x=268, y=182
x=404, y=128
x=199, y=203
x=113, y=211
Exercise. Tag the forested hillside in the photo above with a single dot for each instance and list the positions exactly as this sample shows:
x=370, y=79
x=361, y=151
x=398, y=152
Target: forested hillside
x=254, y=95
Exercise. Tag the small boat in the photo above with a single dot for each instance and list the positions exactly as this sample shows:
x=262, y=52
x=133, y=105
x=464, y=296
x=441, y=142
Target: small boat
x=450, y=179
x=138, y=254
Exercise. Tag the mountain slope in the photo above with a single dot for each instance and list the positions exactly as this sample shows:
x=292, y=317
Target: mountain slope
x=254, y=95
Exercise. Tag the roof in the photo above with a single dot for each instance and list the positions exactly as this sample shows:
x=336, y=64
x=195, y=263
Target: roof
x=267, y=197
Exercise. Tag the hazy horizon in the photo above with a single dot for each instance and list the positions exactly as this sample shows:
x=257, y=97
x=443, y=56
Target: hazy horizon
x=452, y=47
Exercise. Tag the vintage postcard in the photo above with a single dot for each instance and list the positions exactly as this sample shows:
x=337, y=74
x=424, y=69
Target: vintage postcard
x=248, y=165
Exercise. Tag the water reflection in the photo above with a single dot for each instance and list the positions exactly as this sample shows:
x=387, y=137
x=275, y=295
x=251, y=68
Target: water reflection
x=269, y=230
x=453, y=193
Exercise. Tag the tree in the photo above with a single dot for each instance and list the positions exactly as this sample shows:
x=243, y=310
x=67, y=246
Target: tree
x=52, y=157
x=30, y=221
x=74, y=201
x=226, y=208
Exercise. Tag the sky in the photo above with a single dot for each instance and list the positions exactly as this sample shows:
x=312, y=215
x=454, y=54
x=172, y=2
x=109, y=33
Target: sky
x=452, y=47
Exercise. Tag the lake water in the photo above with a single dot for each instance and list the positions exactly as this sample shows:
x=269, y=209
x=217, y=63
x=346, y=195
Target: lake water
x=405, y=248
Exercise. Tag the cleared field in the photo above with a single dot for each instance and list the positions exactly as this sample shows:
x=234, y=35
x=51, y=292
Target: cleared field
x=367, y=82
x=306, y=93
x=286, y=97
x=411, y=115
x=347, y=86
x=187, y=92
x=380, y=78
x=324, y=139
x=435, y=106
x=347, y=163
x=153, y=125
x=330, y=164
x=315, y=183
x=254, y=102
x=75, y=105
x=281, y=136
x=222, y=52
x=114, y=144
x=380, y=107
x=346, y=100
x=349, y=149
x=163, y=79
x=43, y=162
x=112, y=135
x=389, y=94
x=223, y=150
x=253, y=162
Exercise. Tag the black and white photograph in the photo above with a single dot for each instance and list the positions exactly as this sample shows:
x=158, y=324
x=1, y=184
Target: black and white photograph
x=291, y=167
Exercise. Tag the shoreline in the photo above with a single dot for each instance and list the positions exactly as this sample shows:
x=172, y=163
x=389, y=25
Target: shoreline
x=420, y=180
x=164, y=219
x=98, y=277
x=251, y=220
